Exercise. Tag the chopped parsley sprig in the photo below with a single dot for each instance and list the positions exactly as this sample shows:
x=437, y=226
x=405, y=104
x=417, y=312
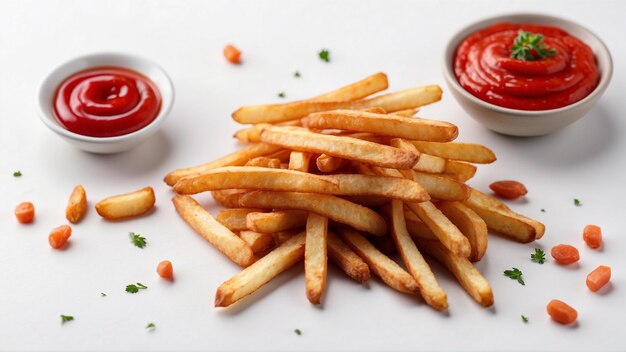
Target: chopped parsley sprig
x=515, y=274
x=324, y=55
x=66, y=318
x=137, y=239
x=132, y=288
x=529, y=47
x=539, y=256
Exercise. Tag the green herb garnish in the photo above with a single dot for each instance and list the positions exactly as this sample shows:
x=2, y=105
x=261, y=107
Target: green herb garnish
x=296, y=74
x=132, y=288
x=282, y=95
x=515, y=274
x=529, y=47
x=324, y=55
x=66, y=318
x=137, y=239
x=17, y=173
x=539, y=256
x=102, y=294
x=543, y=210
x=524, y=319
x=577, y=202
x=298, y=332
x=151, y=326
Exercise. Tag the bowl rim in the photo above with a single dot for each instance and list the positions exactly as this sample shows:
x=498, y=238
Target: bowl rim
x=167, y=101
x=531, y=17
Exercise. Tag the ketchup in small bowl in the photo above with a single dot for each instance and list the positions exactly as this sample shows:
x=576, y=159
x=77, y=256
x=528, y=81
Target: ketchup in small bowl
x=106, y=102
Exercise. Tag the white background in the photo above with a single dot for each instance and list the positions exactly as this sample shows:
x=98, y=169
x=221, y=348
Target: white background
x=404, y=39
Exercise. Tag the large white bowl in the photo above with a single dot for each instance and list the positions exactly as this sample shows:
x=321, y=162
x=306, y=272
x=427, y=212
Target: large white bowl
x=523, y=122
x=104, y=145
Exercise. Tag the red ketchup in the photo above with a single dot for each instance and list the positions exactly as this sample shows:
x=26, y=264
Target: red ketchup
x=106, y=102
x=484, y=67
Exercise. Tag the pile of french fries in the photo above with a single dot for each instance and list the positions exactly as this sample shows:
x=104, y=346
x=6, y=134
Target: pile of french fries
x=355, y=180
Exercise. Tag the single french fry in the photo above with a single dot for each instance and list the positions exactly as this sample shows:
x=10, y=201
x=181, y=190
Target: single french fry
x=402, y=100
x=430, y=290
x=251, y=134
x=499, y=218
x=263, y=161
x=315, y=257
x=390, y=272
x=228, y=198
x=237, y=158
x=473, y=153
x=344, y=147
x=470, y=224
x=383, y=124
x=442, y=227
x=335, y=208
x=77, y=205
x=217, y=234
x=426, y=162
x=361, y=185
x=258, y=242
x=261, y=272
x=441, y=187
x=357, y=90
x=300, y=161
x=127, y=205
x=327, y=164
x=253, y=177
x=461, y=171
x=276, y=221
x=468, y=276
x=235, y=219
x=346, y=259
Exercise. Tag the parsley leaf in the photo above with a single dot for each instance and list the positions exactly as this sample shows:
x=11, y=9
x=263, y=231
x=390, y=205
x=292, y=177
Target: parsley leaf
x=298, y=332
x=17, y=173
x=132, y=288
x=324, y=55
x=577, y=202
x=529, y=47
x=524, y=319
x=66, y=318
x=543, y=210
x=297, y=74
x=137, y=240
x=282, y=95
x=151, y=326
x=539, y=256
x=515, y=274
x=102, y=294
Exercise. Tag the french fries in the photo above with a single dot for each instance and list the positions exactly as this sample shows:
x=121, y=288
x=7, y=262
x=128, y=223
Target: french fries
x=261, y=272
x=406, y=99
x=335, y=208
x=77, y=205
x=382, y=124
x=301, y=139
x=430, y=290
x=252, y=177
x=126, y=205
x=375, y=165
x=217, y=234
x=315, y=257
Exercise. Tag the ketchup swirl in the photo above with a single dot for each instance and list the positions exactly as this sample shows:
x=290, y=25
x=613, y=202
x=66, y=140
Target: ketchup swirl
x=106, y=102
x=483, y=66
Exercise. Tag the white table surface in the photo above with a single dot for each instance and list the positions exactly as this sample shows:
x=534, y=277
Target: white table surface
x=404, y=39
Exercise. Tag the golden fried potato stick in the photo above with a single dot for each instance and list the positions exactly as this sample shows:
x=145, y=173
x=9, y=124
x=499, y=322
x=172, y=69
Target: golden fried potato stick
x=382, y=124
x=468, y=276
x=426, y=162
x=470, y=224
x=473, y=153
x=357, y=90
x=261, y=272
x=300, y=161
x=228, y=198
x=235, y=219
x=402, y=100
x=254, y=177
x=430, y=290
x=258, y=242
x=263, y=161
x=335, y=208
x=217, y=234
x=461, y=171
x=276, y=221
x=315, y=257
x=77, y=205
x=390, y=272
x=237, y=158
x=327, y=164
x=392, y=187
x=303, y=140
x=440, y=187
x=346, y=259
x=127, y=205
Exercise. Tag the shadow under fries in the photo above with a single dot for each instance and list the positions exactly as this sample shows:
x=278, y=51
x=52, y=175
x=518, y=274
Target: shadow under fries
x=275, y=283
x=583, y=140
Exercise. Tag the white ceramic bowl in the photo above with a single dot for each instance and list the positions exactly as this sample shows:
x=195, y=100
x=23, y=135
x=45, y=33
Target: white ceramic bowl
x=523, y=122
x=104, y=145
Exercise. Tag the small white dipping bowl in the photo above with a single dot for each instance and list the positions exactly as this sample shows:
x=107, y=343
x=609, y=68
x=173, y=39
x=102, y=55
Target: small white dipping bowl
x=104, y=145
x=525, y=122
